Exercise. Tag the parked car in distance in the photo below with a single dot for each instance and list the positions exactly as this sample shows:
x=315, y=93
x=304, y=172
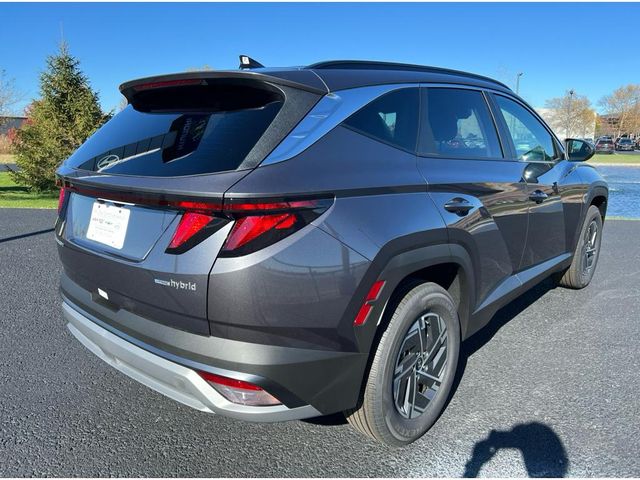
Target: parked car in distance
x=605, y=145
x=625, y=144
x=279, y=244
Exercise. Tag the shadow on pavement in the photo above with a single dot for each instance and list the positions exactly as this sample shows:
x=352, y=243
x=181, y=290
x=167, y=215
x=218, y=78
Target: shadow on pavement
x=542, y=450
x=504, y=315
x=328, y=420
x=25, y=235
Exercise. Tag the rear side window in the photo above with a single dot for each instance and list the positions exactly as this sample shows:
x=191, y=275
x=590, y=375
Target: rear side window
x=533, y=142
x=457, y=123
x=183, y=138
x=392, y=118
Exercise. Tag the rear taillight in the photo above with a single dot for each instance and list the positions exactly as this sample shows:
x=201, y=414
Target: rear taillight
x=239, y=391
x=257, y=224
x=191, y=225
x=61, y=197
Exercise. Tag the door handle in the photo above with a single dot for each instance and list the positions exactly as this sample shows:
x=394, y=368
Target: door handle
x=459, y=206
x=538, y=196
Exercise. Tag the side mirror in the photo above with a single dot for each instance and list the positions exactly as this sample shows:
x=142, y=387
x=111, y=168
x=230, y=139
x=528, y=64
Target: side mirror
x=578, y=150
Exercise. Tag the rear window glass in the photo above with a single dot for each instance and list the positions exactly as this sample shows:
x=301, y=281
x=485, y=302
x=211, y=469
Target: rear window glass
x=174, y=143
x=392, y=118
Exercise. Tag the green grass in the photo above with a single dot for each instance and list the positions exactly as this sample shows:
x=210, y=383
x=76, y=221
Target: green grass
x=16, y=196
x=7, y=158
x=616, y=159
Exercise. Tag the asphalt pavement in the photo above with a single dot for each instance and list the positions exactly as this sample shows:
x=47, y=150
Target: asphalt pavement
x=550, y=388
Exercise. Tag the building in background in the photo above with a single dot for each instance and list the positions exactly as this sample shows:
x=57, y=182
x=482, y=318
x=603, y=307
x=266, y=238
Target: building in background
x=7, y=123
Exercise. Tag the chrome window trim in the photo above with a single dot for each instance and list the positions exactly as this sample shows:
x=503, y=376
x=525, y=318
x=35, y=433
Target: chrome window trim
x=332, y=109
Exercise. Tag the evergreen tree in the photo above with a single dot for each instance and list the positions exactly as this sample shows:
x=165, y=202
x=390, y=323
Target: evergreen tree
x=64, y=116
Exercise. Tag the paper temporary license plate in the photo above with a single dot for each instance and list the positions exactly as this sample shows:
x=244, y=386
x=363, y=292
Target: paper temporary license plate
x=108, y=224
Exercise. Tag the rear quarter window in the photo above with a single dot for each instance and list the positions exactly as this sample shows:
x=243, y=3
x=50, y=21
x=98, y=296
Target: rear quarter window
x=391, y=118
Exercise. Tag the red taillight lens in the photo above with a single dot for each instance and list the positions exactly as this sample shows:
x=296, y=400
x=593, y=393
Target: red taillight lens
x=249, y=228
x=367, y=306
x=190, y=224
x=61, y=197
x=239, y=391
x=259, y=225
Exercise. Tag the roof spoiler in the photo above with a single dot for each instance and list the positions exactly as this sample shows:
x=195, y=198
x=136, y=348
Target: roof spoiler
x=132, y=88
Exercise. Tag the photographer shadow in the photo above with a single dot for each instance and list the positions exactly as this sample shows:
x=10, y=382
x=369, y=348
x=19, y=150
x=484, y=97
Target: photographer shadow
x=542, y=450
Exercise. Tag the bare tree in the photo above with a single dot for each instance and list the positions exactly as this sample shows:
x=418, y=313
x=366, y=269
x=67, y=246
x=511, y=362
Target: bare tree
x=624, y=103
x=122, y=104
x=571, y=114
x=9, y=95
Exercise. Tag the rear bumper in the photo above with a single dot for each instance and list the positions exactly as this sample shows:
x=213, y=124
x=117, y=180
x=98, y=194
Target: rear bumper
x=172, y=379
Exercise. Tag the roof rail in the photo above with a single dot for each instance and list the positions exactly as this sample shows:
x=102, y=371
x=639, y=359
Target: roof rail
x=373, y=65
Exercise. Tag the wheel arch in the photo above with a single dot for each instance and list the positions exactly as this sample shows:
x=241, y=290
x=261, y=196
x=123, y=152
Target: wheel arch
x=600, y=199
x=448, y=265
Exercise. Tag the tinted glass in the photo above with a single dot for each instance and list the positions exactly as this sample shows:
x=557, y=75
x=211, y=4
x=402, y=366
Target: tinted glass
x=531, y=140
x=174, y=144
x=457, y=123
x=392, y=118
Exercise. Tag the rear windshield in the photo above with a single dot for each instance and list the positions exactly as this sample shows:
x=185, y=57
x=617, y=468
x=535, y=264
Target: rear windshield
x=176, y=143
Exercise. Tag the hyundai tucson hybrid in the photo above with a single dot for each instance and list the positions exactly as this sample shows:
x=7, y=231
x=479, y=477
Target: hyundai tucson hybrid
x=273, y=244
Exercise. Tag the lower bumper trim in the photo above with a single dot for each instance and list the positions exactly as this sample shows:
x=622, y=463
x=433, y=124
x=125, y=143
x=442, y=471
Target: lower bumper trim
x=169, y=378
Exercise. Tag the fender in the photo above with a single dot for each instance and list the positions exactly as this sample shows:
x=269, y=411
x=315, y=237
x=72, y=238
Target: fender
x=597, y=185
x=598, y=189
x=393, y=269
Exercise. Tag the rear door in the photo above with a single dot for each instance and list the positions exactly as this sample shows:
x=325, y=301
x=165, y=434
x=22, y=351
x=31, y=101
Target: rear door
x=141, y=221
x=535, y=148
x=478, y=189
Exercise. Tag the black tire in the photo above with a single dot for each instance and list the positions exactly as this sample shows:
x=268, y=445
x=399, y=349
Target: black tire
x=584, y=264
x=426, y=309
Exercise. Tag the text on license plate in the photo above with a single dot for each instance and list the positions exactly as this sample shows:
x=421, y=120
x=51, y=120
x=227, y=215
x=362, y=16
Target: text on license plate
x=108, y=224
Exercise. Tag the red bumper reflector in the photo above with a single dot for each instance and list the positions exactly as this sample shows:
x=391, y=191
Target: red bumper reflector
x=367, y=306
x=229, y=382
x=239, y=391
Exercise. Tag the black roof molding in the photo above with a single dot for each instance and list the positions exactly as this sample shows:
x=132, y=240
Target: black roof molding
x=405, y=67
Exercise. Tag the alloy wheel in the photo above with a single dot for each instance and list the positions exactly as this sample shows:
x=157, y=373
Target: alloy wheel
x=590, y=248
x=420, y=365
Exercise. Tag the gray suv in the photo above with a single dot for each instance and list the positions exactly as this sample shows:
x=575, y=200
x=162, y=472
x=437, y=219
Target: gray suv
x=273, y=244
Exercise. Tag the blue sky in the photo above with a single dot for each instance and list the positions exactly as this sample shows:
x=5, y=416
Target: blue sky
x=557, y=46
